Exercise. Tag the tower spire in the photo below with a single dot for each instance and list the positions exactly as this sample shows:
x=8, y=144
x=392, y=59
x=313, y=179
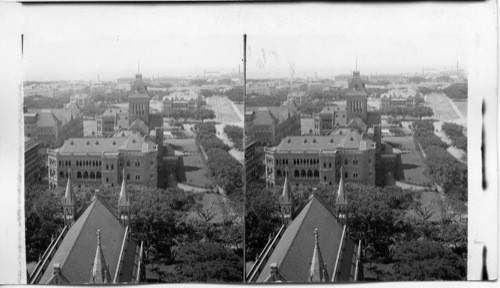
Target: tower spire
x=341, y=199
x=286, y=201
x=69, y=203
x=100, y=271
x=124, y=203
x=317, y=272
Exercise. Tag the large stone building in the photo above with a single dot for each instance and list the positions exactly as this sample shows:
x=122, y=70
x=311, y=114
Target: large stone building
x=355, y=113
x=271, y=124
x=31, y=161
x=94, y=247
x=138, y=112
x=251, y=159
x=312, y=245
x=97, y=161
x=50, y=127
x=319, y=159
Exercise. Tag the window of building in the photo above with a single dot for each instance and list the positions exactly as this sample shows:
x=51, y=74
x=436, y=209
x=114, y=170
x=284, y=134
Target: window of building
x=79, y=175
x=346, y=175
x=128, y=176
x=128, y=163
x=355, y=161
x=355, y=174
x=61, y=174
x=346, y=162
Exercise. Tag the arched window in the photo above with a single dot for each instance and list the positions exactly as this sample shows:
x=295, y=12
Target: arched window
x=98, y=175
x=107, y=179
x=128, y=176
x=92, y=175
x=329, y=164
x=303, y=173
x=355, y=174
x=346, y=162
x=324, y=164
x=79, y=175
x=107, y=167
x=61, y=174
x=296, y=173
x=112, y=167
x=316, y=173
x=346, y=175
x=355, y=161
x=324, y=177
x=128, y=163
x=278, y=173
x=309, y=173
x=85, y=175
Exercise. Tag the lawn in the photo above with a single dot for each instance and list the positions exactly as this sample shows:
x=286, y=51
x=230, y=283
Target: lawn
x=194, y=171
x=306, y=124
x=413, y=167
x=462, y=106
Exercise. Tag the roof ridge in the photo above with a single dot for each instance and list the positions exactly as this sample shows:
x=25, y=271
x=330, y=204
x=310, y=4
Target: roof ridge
x=295, y=234
x=77, y=237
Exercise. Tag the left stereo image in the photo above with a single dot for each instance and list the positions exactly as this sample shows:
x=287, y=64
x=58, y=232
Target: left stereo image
x=133, y=159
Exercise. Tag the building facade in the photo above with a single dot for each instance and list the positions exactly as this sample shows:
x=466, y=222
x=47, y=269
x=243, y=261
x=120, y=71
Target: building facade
x=100, y=161
x=50, y=127
x=399, y=98
x=318, y=159
x=31, y=161
x=251, y=159
x=138, y=101
x=271, y=124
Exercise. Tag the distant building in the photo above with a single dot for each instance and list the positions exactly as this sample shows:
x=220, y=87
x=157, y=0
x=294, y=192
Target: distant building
x=38, y=90
x=399, y=98
x=181, y=101
x=99, y=161
x=53, y=126
x=112, y=120
x=319, y=159
x=354, y=114
x=31, y=161
x=298, y=97
x=271, y=124
x=79, y=99
x=95, y=245
x=313, y=244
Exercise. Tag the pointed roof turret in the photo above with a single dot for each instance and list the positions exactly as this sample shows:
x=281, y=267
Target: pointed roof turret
x=69, y=197
x=341, y=199
x=318, y=271
x=123, y=200
x=100, y=272
x=287, y=191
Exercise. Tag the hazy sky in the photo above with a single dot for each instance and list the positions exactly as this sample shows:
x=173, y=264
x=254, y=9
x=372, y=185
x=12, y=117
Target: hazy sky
x=79, y=42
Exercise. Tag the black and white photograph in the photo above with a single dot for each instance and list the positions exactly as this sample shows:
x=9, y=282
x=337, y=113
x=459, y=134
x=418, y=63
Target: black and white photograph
x=249, y=143
x=133, y=160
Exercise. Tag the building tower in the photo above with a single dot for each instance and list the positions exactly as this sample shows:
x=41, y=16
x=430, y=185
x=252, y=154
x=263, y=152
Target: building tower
x=138, y=101
x=341, y=201
x=356, y=98
x=100, y=270
x=124, y=203
x=318, y=272
x=286, y=202
x=69, y=203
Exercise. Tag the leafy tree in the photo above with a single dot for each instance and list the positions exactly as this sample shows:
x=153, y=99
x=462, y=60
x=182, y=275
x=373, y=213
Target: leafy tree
x=235, y=134
x=43, y=219
x=208, y=263
x=457, y=91
x=426, y=260
x=262, y=217
x=203, y=114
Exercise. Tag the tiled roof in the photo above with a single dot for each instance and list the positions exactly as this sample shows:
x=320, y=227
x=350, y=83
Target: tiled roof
x=76, y=254
x=295, y=248
x=132, y=142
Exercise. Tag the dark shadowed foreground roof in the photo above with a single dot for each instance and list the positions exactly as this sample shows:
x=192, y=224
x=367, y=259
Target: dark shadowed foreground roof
x=76, y=253
x=294, y=251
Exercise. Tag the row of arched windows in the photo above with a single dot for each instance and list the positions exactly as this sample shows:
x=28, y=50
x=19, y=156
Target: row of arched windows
x=88, y=163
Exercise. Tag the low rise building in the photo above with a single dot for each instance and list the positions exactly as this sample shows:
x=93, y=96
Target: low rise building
x=31, y=161
x=406, y=97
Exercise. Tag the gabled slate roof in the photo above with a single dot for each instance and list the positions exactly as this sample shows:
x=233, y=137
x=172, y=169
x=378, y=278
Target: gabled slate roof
x=130, y=142
x=343, y=139
x=77, y=251
x=295, y=248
